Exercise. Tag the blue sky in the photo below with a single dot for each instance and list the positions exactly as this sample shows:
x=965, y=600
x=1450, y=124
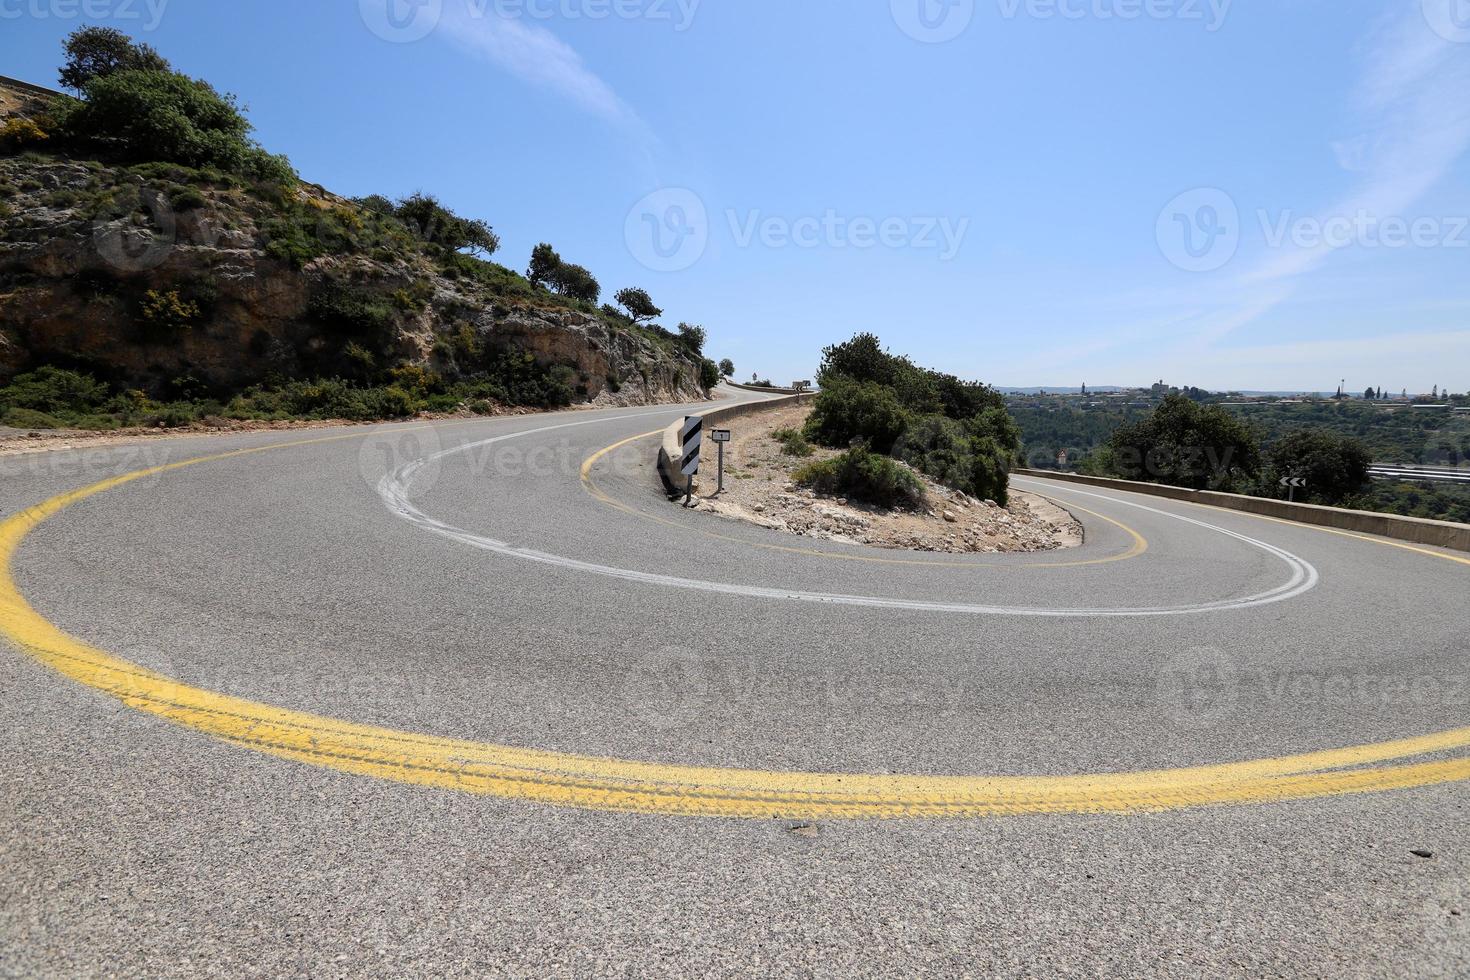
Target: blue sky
x=1226, y=194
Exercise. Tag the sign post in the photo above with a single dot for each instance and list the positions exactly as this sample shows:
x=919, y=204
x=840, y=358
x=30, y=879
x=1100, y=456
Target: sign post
x=720, y=437
x=801, y=387
x=1293, y=483
x=691, y=439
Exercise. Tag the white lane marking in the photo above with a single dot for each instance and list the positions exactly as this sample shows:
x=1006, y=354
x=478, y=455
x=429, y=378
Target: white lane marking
x=394, y=491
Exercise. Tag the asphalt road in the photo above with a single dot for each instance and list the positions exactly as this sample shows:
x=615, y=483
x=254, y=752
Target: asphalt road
x=785, y=716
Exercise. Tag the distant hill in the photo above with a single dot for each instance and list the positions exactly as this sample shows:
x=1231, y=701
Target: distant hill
x=198, y=281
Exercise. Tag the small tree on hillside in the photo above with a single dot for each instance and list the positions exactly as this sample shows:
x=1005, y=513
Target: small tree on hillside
x=576, y=282
x=142, y=116
x=638, y=304
x=432, y=222
x=727, y=368
x=544, y=263
x=97, y=52
x=692, y=338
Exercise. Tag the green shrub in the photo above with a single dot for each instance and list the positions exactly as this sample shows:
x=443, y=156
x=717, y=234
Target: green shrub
x=187, y=199
x=20, y=134
x=848, y=410
x=54, y=391
x=174, y=415
x=919, y=390
x=793, y=442
x=324, y=399
x=863, y=475
x=432, y=222
x=290, y=242
x=354, y=313
x=166, y=315
x=973, y=457
x=26, y=418
x=1334, y=466
x=709, y=373
x=143, y=115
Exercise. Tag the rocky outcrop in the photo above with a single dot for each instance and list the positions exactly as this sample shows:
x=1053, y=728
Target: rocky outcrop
x=146, y=276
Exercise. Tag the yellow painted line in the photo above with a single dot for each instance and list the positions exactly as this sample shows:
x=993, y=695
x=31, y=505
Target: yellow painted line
x=613, y=784
x=1139, y=542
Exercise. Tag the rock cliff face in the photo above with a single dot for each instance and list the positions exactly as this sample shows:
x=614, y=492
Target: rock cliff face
x=149, y=274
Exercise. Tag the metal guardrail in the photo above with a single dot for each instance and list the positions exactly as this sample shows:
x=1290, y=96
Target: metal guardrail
x=1421, y=474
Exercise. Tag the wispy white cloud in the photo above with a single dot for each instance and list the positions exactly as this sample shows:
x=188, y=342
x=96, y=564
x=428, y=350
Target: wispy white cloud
x=1414, y=125
x=536, y=55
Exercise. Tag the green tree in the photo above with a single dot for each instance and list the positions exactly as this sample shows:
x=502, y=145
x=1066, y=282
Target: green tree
x=861, y=359
x=846, y=410
x=432, y=222
x=142, y=116
x=638, y=304
x=922, y=391
x=576, y=282
x=709, y=373
x=544, y=263
x=1185, y=444
x=692, y=338
x=1335, y=466
x=97, y=52
x=727, y=368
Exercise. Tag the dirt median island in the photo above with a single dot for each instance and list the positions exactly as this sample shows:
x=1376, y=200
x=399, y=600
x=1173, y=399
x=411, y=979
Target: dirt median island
x=759, y=490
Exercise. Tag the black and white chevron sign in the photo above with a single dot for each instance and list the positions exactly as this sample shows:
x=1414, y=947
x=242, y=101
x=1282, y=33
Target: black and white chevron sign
x=691, y=437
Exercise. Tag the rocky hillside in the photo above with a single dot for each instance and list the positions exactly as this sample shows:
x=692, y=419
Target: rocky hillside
x=162, y=277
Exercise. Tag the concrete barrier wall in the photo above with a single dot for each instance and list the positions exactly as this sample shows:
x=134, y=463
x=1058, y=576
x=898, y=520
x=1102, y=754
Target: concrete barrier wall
x=767, y=391
x=1441, y=534
x=28, y=88
x=670, y=451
